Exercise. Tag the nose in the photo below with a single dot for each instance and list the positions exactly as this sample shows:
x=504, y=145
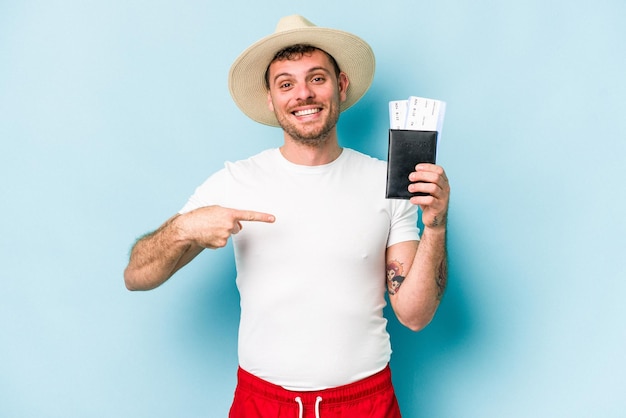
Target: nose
x=304, y=91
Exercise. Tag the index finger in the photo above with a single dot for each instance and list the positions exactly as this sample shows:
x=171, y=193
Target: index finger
x=253, y=216
x=429, y=167
x=432, y=168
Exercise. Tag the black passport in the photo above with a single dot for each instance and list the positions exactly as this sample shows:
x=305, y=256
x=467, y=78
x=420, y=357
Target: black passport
x=406, y=150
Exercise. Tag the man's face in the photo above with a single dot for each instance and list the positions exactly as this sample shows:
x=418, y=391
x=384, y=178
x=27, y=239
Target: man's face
x=305, y=95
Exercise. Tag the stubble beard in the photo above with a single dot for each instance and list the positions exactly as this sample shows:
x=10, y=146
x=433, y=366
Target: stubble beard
x=313, y=138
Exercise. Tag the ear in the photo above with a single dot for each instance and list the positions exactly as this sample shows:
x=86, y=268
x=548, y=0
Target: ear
x=270, y=103
x=344, y=82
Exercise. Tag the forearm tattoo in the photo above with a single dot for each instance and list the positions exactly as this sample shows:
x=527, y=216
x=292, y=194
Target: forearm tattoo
x=438, y=221
x=442, y=278
x=395, y=276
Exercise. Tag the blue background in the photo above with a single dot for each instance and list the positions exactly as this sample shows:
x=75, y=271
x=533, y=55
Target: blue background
x=112, y=112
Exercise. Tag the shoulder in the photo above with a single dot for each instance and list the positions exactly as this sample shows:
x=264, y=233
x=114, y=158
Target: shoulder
x=358, y=159
x=264, y=158
x=233, y=181
x=265, y=162
x=367, y=169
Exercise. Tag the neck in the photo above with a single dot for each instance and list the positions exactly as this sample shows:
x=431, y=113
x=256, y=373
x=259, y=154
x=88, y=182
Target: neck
x=311, y=153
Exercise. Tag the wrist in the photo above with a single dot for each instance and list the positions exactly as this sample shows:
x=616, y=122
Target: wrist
x=180, y=230
x=435, y=231
x=435, y=223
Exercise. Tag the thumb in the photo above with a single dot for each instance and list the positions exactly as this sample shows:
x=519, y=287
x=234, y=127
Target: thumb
x=236, y=228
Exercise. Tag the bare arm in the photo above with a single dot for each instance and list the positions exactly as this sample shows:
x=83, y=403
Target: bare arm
x=157, y=256
x=417, y=271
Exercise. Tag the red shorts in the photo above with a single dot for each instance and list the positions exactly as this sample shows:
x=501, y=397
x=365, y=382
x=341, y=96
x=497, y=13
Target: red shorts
x=372, y=397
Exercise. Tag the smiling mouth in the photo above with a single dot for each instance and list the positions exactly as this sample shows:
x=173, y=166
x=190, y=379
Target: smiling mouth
x=307, y=112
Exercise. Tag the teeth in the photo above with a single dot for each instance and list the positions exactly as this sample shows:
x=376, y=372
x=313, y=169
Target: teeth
x=306, y=112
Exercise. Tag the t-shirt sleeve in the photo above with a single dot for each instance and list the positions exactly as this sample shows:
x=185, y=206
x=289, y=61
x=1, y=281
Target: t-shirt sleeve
x=208, y=193
x=403, y=223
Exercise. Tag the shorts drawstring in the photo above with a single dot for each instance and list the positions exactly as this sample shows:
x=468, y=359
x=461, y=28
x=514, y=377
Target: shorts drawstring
x=299, y=401
x=318, y=401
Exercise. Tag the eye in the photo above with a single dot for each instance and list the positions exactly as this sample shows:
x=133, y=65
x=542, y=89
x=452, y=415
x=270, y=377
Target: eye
x=318, y=79
x=283, y=83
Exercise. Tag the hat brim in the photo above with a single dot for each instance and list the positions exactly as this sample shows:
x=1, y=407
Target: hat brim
x=246, y=77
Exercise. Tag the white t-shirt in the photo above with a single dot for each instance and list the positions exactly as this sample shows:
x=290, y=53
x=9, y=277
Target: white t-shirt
x=312, y=284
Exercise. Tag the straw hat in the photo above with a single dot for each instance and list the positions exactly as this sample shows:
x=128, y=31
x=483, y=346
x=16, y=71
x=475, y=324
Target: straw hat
x=246, y=77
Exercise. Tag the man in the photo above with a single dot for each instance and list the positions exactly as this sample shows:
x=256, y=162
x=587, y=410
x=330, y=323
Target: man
x=320, y=240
